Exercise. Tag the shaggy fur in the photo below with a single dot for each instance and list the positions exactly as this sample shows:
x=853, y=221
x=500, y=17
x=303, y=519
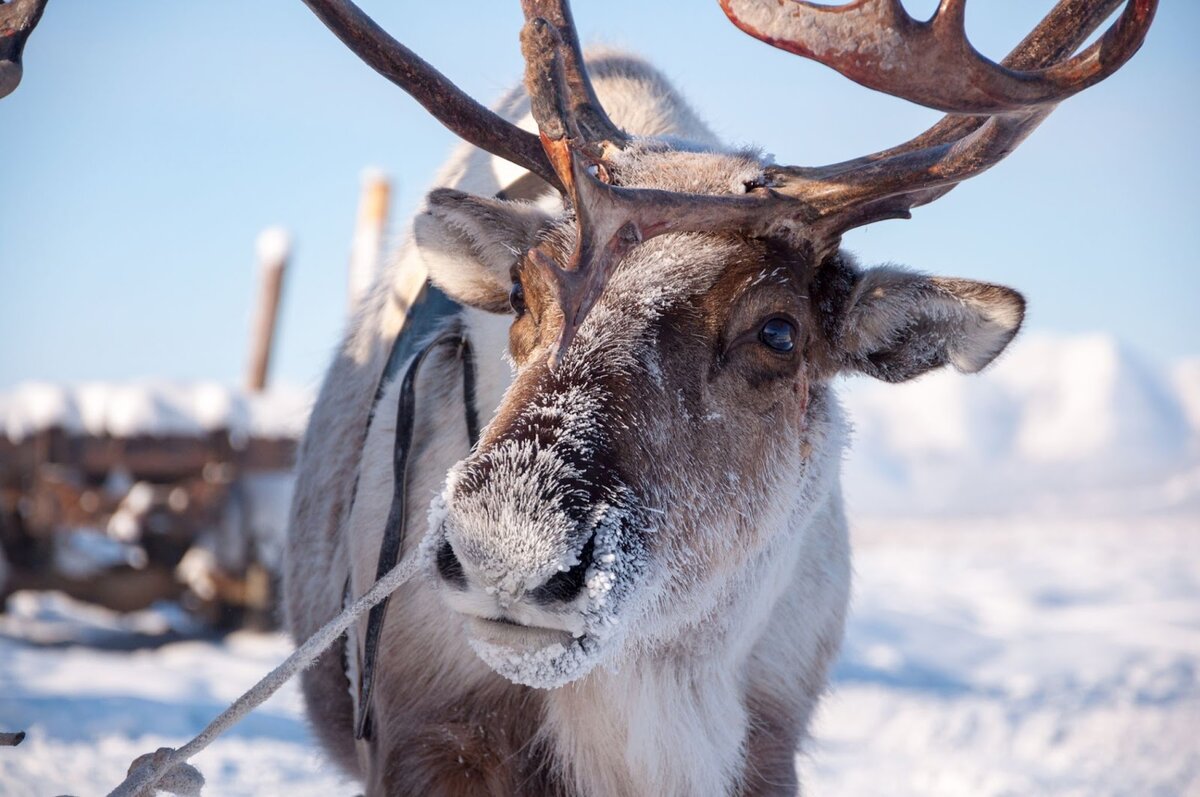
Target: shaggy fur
x=638, y=579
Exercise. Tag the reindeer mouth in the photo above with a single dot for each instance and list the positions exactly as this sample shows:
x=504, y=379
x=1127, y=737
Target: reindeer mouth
x=548, y=635
x=506, y=633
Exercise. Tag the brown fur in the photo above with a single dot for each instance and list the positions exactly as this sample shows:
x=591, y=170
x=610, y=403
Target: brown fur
x=483, y=744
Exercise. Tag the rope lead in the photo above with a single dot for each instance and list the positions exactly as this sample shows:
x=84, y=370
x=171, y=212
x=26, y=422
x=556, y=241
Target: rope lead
x=168, y=769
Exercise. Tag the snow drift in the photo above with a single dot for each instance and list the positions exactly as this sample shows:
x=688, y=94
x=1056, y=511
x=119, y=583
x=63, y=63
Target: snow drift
x=1078, y=424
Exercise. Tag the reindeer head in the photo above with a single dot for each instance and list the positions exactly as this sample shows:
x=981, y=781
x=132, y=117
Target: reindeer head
x=676, y=324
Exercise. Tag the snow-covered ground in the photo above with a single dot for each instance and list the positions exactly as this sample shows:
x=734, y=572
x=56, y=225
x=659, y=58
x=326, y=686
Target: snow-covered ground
x=1028, y=625
x=991, y=657
x=1017, y=657
x=91, y=705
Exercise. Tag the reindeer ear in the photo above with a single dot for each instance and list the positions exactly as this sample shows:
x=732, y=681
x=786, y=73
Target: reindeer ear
x=470, y=244
x=898, y=325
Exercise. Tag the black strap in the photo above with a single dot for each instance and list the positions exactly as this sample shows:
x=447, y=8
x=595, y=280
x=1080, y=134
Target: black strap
x=394, y=531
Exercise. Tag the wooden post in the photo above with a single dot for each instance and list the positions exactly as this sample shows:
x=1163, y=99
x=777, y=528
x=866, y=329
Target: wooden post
x=274, y=248
x=366, y=250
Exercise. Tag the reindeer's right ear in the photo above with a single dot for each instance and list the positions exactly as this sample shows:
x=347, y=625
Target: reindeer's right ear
x=896, y=325
x=470, y=244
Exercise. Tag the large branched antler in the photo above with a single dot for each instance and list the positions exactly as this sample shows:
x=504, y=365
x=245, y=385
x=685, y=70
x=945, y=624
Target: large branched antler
x=18, y=18
x=880, y=45
x=992, y=108
x=875, y=42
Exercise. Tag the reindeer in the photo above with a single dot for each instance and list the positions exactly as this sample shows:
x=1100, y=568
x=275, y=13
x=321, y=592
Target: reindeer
x=638, y=574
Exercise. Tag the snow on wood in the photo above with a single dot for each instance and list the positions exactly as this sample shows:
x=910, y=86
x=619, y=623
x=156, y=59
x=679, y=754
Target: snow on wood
x=274, y=246
x=152, y=408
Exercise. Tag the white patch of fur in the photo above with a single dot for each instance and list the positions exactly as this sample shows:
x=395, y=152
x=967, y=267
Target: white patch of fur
x=652, y=728
x=670, y=718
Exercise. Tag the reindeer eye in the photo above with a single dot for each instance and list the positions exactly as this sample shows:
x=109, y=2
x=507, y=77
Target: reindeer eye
x=516, y=298
x=778, y=334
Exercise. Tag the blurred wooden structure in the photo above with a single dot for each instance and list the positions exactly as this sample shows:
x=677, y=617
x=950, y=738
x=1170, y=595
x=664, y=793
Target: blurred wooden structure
x=274, y=247
x=154, y=498
x=163, y=514
x=157, y=513
x=370, y=230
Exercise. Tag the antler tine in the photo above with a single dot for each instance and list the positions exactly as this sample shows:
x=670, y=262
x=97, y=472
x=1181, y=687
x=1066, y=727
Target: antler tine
x=18, y=18
x=889, y=183
x=575, y=131
x=1057, y=36
x=610, y=220
x=877, y=44
x=447, y=103
x=581, y=110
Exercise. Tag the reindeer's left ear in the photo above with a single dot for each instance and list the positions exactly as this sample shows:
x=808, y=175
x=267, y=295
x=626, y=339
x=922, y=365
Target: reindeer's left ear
x=897, y=325
x=470, y=244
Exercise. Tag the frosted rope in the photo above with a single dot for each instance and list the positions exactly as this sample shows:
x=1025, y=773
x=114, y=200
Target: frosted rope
x=142, y=780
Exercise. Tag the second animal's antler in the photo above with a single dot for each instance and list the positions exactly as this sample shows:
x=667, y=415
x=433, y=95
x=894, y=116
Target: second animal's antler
x=18, y=18
x=991, y=109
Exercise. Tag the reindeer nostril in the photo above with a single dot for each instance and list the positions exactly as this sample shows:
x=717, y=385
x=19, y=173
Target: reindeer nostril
x=449, y=568
x=564, y=587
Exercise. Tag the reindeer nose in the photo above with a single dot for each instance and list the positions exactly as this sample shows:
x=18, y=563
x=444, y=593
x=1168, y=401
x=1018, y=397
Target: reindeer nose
x=562, y=587
x=449, y=568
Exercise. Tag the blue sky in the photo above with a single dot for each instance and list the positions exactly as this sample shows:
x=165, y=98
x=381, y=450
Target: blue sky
x=151, y=141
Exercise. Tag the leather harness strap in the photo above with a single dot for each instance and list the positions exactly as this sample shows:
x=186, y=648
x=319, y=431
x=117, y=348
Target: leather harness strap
x=428, y=309
x=394, y=531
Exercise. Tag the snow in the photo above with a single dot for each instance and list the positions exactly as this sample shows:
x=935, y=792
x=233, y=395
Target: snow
x=1185, y=377
x=990, y=657
x=1058, y=425
x=1026, y=618
x=1017, y=657
x=272, y=246
x=157, y=408
x=92, y=706
x=37, y=405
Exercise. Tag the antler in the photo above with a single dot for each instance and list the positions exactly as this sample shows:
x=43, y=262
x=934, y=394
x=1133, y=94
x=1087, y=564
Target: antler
x=446, y=102
x=875, y=42
x=992, y=108
x=1017, y=94
x=610, y=220
x=17, y=20
x=878, y=44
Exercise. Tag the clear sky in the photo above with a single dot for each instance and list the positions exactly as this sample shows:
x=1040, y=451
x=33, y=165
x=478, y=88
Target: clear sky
x=152, y=139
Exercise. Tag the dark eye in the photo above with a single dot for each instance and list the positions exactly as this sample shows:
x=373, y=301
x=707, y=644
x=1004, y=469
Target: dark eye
x=516, y=298
x=778, y=334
